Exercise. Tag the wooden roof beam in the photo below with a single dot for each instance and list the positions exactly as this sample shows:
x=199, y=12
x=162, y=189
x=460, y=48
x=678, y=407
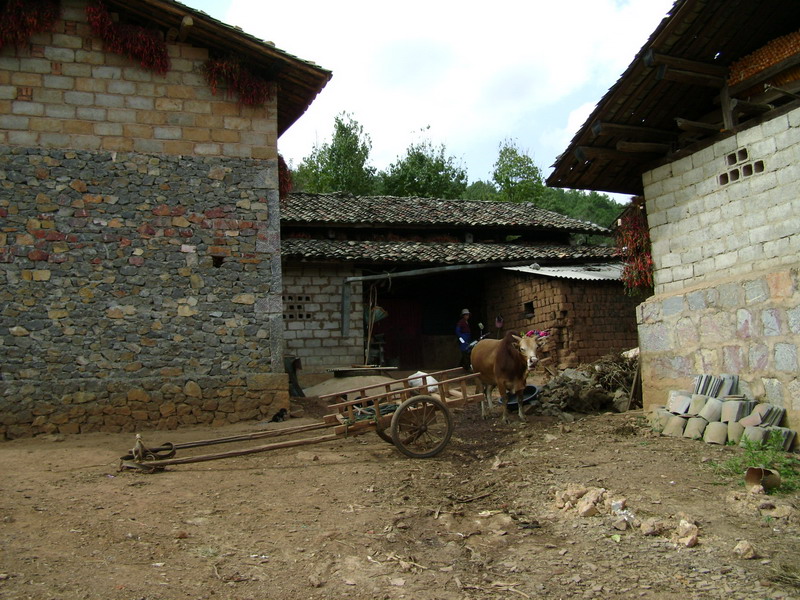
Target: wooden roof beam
x=663, y=72
x=588, y=153
x=631, y=131
x=697, y=126
x=654, y=59
x=643, y=147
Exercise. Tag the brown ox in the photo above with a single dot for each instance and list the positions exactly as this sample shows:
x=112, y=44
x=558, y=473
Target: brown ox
x=504, y=364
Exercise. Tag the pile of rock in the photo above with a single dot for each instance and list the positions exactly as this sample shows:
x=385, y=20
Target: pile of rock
x=713, y=412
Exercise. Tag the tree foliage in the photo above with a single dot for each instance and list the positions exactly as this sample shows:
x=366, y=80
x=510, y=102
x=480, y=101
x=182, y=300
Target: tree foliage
x=516, y=175
x=425, y=171
x=341, y=165
x=481, y=190
x=586, y=206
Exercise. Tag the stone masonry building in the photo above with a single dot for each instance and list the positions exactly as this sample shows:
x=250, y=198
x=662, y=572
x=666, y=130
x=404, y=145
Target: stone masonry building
x=139, y=229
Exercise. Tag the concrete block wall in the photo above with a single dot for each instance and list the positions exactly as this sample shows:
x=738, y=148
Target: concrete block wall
x=586, y=319
x=742, y=325
x=725, y=230
x=313, y=318
x=63, y=91
x=729, y=209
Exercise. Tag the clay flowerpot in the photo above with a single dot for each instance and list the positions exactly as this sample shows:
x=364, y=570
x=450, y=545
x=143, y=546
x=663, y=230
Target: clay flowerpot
x=767, y=479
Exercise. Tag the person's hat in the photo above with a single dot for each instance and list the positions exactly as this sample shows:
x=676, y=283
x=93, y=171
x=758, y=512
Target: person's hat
x=465, y=311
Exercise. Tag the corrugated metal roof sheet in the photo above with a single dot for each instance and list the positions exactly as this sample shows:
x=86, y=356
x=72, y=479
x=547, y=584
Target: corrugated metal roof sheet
x=593, y=272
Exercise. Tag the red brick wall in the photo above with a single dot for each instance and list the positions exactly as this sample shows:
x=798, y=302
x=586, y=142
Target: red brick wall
x=586, y=319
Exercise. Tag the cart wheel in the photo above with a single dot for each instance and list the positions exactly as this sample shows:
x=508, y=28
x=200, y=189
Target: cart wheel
x=422, y=426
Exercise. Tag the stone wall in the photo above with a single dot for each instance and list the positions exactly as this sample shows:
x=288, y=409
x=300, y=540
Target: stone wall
x=317, y=332
x=139, y=242
x=63, y=91
x=138, y=291
x=586, y=319
x=725, y=230
x=747, y=326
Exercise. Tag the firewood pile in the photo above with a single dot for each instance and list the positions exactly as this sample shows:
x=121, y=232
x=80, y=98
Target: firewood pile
x=599, y=386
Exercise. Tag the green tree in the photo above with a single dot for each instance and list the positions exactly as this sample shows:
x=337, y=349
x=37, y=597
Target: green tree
x=342, y=165
x=516, y=175
x=481, y=190
x=425, y=171
x=586, y=206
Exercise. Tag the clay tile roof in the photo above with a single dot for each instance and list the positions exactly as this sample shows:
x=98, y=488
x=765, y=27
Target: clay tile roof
x=436, y=253
x=344, y=209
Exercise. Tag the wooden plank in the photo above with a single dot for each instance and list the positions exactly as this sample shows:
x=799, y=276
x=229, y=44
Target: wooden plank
x=697, y=126
x=665, y=73
x=233, y=453
x=647, y=147
x=587, y=153
x=356, y=428
x=654, y=59
x=751, y=108
x=250, y=436
x=728, y=117
x=632, y=131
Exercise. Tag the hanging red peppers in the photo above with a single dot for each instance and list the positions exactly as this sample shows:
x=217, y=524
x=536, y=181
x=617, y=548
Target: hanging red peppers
x=251, y=89
x=20, y=19
x=133, y=41
x=633, y=243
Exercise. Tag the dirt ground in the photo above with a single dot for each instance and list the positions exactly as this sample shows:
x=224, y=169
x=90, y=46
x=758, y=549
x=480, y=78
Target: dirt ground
x=496, y=515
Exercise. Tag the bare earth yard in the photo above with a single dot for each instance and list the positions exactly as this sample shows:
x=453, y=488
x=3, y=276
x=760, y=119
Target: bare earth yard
x=496, y=515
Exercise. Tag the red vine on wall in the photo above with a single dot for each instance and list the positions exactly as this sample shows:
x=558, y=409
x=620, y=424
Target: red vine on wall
x=251, y=89
x=20, y=19
x=285, y=183
x=133, y=41
x=633, y=243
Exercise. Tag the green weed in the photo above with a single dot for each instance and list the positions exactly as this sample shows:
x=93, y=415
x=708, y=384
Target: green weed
x=767, y=455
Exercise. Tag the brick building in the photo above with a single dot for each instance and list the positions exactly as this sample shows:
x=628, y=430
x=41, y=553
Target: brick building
x=139, y=243
x=713, y=145
x=421, y=261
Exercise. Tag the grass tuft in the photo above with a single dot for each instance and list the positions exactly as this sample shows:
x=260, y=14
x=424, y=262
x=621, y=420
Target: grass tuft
x=767, y=455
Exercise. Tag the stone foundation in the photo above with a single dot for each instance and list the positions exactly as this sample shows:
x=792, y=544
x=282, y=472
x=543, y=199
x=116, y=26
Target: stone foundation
x=745, y=326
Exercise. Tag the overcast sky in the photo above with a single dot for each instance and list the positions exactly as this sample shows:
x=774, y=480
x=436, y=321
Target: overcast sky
x=464, y=74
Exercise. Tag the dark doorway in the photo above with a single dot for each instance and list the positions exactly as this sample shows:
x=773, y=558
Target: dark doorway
x=419, y=329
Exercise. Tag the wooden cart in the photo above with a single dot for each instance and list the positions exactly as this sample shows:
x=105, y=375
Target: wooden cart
x=412, y=414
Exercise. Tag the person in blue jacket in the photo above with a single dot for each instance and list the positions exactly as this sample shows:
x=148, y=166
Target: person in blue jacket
x=464, y=336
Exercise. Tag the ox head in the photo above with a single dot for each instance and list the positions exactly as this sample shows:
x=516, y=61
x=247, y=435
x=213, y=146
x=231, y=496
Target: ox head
x=527, y=346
